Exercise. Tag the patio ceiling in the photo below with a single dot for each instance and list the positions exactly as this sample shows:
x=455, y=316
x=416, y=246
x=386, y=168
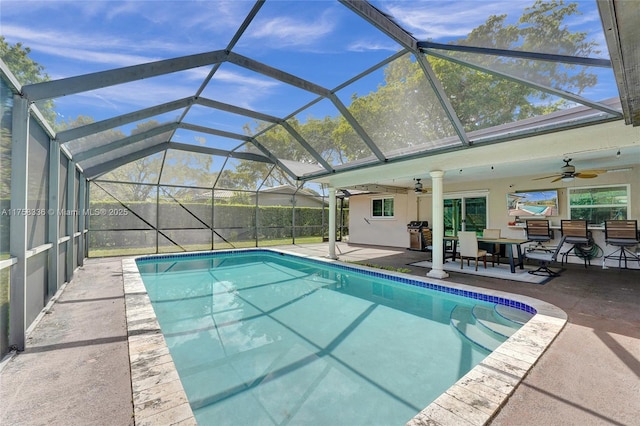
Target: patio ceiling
x=211, y=118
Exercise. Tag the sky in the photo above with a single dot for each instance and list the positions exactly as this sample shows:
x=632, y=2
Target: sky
x=320, y=41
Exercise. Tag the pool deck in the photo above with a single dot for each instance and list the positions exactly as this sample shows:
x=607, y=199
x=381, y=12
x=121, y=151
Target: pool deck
x=76, y=368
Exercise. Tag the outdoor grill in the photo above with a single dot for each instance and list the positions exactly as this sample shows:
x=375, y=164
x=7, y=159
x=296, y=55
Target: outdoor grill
x=419, y=235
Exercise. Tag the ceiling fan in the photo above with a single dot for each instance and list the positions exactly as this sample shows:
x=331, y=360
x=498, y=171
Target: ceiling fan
x=418, y=186
x=568, y=173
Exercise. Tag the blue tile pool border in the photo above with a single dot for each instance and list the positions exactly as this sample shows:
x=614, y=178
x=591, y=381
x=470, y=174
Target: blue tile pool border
x=355, y=269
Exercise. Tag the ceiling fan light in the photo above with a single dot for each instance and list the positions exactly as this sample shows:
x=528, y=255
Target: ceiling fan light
x=567, y=178
x=418, y=188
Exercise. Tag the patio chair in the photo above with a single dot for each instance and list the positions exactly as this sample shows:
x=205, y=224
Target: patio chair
x=622, y=234
x=576, y=233
x=545, y=259
x=493, y=249
x=538, y=231
x=468, y=242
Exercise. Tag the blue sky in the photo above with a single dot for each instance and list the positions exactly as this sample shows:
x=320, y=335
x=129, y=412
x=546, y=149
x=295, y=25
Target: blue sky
x=320, y=41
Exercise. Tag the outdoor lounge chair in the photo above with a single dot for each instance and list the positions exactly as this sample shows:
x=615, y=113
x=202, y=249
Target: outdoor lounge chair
x=545, y=259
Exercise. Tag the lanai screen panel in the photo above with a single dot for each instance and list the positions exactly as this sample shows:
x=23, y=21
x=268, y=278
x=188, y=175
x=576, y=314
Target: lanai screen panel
x=37, y=186
x=398, y=109
x=117, y=154
x=244, y=88
x=123, y=220
x=143, y=170
x=62, y=195
x=311, y=213
x=276, y=178
x=275, y=200
x=76, y=199
x=283, y=145
x=234, y=218
x=580, y=80
x=275, y=216
x=185, y=218
x=321, y=125
x=6, y=125
x=190, y=169
x=201, y=138
x=98, y=140
x=5, y=171
x=240, y=174
x=222, y=120
x=320, y=41
x=484, y=101
x=526, y=26
x=112, y=101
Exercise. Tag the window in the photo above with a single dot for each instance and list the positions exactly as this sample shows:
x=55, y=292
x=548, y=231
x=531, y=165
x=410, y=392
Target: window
x=382, y=207
x=599, y=204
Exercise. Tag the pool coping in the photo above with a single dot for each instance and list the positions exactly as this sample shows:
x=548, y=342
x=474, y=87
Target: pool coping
x=159, y=398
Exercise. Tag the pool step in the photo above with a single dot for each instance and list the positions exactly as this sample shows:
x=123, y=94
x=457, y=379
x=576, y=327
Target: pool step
x=493, y=322
x=516, y=315
x=483, y=326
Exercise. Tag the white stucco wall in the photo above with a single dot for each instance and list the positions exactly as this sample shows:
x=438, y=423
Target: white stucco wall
x=364, y=229
x=408, y=207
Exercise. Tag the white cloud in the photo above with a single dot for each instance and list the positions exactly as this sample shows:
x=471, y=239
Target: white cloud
x=366, y=45
x=287, y=31
x=436, y=20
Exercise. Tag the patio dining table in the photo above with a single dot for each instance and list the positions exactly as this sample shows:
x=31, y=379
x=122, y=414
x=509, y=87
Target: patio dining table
x=509, y=243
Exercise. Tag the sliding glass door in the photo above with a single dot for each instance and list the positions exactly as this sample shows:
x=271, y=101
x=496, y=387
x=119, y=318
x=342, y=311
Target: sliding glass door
x=465, y=213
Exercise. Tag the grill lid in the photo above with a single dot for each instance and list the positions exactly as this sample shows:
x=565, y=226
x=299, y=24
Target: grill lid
x=418, y=224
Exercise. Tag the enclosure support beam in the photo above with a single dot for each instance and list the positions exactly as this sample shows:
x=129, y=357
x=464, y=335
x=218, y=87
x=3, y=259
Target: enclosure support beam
x=85, y=227
x=332, y=223
x=52, y=217
x=18, y=222
x=82, y=206
x=84, y=83
x=437, y=217
x=71, y=202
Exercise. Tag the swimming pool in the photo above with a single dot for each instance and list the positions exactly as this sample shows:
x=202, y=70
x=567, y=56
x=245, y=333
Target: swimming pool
x=328, y=344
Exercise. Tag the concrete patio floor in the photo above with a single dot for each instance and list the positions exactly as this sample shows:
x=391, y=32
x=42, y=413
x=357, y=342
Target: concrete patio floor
x=75, y=369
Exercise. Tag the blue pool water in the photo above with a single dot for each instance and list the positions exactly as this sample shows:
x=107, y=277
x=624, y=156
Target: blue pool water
x=263, y=338
x=535, y=209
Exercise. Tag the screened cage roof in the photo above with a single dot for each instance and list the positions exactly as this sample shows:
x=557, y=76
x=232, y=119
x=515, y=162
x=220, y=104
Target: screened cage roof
x=306, y=91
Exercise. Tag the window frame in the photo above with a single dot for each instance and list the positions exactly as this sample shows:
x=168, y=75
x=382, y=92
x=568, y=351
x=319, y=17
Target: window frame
x=627, y=206
x=383, y=200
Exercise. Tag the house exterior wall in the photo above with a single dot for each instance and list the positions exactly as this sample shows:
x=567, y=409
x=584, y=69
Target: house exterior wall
x=409, y=206
x=365, y=229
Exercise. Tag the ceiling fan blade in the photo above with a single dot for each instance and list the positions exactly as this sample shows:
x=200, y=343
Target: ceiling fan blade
x=547, y=177
x=586, y=175
x=593, y=172
x=556, y=179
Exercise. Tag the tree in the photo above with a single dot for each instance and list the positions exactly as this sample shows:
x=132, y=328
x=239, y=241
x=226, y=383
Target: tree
x=403, y=114
x=26, y=71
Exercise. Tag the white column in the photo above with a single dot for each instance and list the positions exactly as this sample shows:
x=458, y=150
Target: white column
x=437, y=218
x=332, y=223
